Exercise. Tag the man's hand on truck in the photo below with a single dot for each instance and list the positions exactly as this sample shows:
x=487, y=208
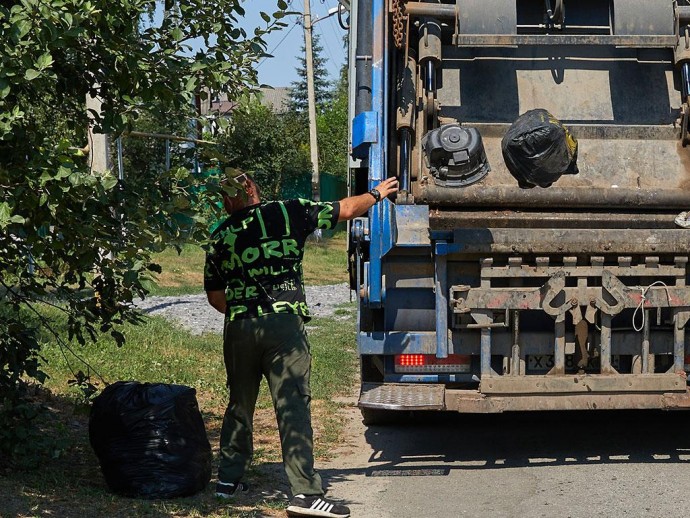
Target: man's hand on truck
x=354, y=206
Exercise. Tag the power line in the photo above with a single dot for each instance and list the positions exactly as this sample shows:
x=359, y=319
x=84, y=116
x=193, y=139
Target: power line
x=327, y=47
x=325, y=43
x=337, y=29
x=278, y=44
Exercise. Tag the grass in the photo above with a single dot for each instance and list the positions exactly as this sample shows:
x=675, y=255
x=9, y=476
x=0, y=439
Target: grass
x=325, y=262
x=182, y=273
x=71, y=484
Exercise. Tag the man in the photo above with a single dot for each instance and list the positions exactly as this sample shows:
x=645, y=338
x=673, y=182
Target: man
x=253, y=275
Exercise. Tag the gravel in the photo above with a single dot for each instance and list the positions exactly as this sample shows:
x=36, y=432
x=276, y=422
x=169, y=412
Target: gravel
x=193, y=312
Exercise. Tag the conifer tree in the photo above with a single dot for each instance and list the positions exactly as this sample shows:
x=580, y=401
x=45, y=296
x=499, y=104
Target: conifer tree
x=322, y=86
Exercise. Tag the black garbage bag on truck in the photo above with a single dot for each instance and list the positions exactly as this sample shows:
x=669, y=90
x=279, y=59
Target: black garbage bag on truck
x=150, y=440
x=538, y=149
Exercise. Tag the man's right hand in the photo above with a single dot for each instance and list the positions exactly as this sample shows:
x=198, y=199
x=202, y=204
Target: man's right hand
x=387, y=187
x=354, y=206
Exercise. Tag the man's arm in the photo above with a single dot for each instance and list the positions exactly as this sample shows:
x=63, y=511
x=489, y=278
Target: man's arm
x=357, y=205
x=217, y=299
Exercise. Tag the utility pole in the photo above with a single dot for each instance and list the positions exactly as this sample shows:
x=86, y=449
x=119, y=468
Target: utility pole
x=311, y=101
x=99, y=143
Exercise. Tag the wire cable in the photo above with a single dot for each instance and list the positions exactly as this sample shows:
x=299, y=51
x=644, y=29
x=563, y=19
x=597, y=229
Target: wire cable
x=642, y=301
x=278, y=44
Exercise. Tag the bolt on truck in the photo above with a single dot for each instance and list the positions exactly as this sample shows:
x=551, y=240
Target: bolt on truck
x=476, y=295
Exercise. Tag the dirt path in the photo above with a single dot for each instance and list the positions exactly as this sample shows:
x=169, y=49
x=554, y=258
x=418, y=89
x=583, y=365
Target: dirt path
x=346, y=475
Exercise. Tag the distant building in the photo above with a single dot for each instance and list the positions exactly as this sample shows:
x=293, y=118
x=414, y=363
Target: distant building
x=274, y=98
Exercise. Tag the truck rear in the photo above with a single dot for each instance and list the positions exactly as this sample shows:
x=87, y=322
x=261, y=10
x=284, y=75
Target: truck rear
x=477, y=295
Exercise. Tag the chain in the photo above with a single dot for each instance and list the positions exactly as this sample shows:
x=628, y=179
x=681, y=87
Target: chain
x=399, y=18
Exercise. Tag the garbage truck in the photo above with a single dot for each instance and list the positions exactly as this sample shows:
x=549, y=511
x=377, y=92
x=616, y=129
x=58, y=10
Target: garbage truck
x=476, y=293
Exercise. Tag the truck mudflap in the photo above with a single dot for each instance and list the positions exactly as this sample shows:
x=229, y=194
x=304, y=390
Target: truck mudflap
x=542, y=393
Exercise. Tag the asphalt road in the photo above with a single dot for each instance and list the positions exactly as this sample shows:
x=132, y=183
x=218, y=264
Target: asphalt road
x=547, y=464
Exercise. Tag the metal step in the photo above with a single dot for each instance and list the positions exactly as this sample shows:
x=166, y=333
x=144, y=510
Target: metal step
x=396, y=396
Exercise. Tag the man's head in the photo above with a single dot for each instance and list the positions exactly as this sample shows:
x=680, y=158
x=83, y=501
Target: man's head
x=247, y=195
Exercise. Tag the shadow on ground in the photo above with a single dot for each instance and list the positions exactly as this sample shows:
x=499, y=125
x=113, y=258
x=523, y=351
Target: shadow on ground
x=434, y=444
x=72, y=485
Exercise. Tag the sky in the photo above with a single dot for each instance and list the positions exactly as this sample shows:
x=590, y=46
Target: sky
x=286, y=45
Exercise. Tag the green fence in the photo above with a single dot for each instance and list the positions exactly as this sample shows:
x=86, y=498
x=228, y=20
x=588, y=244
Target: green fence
x=333, y=188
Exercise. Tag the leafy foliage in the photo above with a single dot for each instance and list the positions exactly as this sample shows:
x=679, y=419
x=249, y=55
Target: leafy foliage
x=274, y=147
x=332, y=126
x=77, y=239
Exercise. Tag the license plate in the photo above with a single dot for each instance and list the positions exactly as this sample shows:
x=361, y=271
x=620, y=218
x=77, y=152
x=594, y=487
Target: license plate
x=542, y=362
x=545, y=362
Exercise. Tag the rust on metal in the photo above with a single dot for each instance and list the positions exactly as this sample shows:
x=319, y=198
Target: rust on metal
x=471, y=402
x=430, y=9
x=583, y=383
x=481, y=218
x=514, y=40
x=504, y=196
x=571, y=241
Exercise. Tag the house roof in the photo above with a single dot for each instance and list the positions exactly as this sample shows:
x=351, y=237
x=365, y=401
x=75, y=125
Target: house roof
x=274, y=98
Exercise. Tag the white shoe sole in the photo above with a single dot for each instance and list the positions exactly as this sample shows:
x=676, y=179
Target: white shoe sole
x=301, y=511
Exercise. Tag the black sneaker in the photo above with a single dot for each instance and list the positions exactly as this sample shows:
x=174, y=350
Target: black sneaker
x=316, y=505
x=230, y=489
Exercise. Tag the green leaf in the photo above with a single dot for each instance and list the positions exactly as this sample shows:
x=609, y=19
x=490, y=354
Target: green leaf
x=44, y=61
x=5, y=214
x=31, y=74
x=75, y=179
x=108, y=182
x=190, y=86
x=23, y=27
x=148, y=285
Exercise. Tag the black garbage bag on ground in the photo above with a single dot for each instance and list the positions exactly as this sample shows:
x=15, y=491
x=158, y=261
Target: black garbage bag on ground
x=150, y=440
x=538, y=149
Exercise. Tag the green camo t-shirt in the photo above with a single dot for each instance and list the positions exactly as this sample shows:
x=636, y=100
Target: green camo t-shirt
x=256, y=256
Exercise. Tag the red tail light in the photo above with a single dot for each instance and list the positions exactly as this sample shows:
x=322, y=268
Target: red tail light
x=429, y=363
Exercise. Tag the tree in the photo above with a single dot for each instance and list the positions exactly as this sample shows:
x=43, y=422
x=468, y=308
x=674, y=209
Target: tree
x=83, y=241
x=332, y=125
x=322, y=86
x=273, y=147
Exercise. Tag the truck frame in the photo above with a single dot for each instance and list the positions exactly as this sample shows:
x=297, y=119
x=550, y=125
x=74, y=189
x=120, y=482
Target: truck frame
x=475, y=295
